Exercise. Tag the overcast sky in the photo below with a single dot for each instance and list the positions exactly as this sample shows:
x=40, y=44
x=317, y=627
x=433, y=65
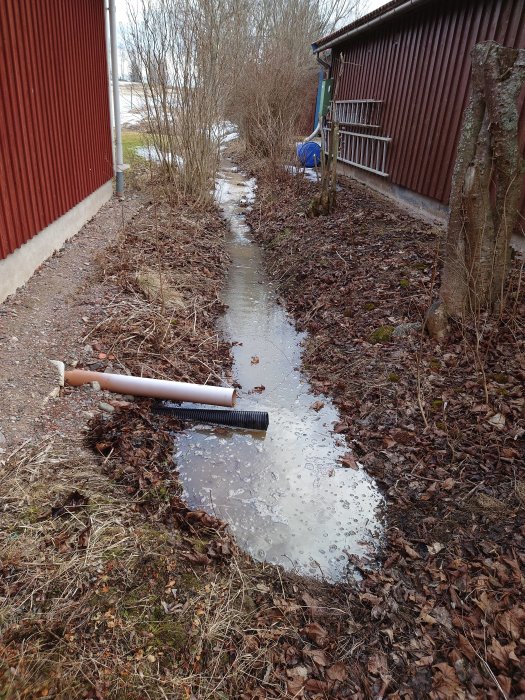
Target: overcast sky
x=121, y=7
x=374, y=4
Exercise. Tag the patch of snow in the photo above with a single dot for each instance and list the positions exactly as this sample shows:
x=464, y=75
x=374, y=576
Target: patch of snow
x=132, y=103
x=131, y=119
x=150, y=153
x=230, y=137
x=225, y=132
x=221, y=129
x=228, y=191
x=250, y=187
x=312, y=174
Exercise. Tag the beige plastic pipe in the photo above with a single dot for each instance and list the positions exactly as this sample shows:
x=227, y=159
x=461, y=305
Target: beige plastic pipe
x=153, y=388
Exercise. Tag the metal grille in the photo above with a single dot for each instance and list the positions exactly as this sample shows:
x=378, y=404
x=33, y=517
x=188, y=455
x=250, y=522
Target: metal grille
x=365, y=151
x=358, y=112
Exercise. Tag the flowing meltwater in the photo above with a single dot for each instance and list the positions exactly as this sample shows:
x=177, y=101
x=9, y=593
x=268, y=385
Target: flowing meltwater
x=283, y=493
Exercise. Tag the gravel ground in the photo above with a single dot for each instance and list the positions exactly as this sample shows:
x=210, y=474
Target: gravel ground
x=43, y=321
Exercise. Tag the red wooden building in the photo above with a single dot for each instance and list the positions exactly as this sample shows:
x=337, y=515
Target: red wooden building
x=401, y=83
x=56, y=161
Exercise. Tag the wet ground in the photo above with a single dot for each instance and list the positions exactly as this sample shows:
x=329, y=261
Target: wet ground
x=284, y=493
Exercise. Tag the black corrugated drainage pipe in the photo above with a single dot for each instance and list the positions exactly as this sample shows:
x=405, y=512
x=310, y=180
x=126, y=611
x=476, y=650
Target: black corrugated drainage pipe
x=251, y=420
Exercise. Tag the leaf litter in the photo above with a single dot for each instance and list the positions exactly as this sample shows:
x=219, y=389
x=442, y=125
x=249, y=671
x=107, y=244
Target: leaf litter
x=440, y=428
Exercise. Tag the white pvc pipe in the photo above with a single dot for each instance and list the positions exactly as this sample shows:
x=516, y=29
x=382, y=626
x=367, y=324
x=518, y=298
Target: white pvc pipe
x=314, y=133
x=154, y=388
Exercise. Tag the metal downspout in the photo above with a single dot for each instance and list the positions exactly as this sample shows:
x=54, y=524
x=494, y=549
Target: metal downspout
x=110, y=94
x=318, y=98
x=324, y=64
x=318, y=121
x=119, y=165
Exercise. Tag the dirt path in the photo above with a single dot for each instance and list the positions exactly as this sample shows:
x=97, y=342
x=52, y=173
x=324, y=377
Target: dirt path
x=47, y=319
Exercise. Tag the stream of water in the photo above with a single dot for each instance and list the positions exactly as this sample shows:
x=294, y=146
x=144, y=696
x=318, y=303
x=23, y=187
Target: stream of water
x=284, y=493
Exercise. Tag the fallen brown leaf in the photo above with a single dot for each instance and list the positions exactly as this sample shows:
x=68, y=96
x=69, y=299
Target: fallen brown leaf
x=348, y=461
x=337, y=672
x=316, y=633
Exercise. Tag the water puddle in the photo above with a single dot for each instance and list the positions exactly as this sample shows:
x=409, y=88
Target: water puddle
x=284, y=494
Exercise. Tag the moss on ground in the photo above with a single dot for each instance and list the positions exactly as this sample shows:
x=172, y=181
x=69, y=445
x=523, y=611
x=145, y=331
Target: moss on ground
x=383, y=334
x=166, y=633
x=188, y=581
x=199, y=545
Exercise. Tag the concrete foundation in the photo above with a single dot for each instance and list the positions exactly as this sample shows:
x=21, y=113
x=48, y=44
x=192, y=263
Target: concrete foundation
x=417, y=204
x=18, y=267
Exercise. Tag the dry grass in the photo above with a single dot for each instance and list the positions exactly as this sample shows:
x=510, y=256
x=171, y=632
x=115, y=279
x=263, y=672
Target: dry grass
x=95, y=601
x=64, y=525
x=157, y=289
x=224, y=627
x=167, y=272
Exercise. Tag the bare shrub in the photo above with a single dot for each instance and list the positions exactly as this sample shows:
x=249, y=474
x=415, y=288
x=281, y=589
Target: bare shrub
x=275, y=88
x=178, y=46
x=203, y=60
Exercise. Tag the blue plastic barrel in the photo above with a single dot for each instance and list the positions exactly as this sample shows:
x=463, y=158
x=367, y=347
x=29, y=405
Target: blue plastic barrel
x=309, y=154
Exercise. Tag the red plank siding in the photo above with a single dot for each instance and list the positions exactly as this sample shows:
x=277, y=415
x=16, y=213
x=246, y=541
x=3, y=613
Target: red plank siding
x=419, y=65
x=55, y=138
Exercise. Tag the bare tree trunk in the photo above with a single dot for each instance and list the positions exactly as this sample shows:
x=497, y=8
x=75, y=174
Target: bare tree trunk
x=324, y=202
x=335, y=154
x=485, y=188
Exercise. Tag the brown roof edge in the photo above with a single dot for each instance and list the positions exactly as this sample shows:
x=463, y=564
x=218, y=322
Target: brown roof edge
x=382, y=14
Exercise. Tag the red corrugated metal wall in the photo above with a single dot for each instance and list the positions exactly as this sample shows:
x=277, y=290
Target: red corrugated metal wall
x=419, y=65
x=55, y=139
